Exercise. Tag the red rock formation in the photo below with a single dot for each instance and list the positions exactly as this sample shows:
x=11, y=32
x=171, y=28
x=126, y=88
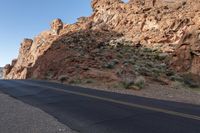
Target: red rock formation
x=57, y=26
x=167, y=25
x=187, y=54
x=31, y=50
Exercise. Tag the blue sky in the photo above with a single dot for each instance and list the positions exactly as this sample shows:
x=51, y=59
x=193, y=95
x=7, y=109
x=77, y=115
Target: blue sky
x=26, y=18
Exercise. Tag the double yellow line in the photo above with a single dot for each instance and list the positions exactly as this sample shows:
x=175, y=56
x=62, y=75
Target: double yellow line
x=174, y=113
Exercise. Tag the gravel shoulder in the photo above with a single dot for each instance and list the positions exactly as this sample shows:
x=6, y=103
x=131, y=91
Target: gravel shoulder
x=18, y=117
x=174, y=92
x=155, y=91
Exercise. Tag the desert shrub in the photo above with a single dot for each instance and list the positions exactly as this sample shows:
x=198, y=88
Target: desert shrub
x=63, y=78
x=177, y=85
x=140, y=82
x=189, y=80
x=126, y=83
x=111, y=64
x=176, y=78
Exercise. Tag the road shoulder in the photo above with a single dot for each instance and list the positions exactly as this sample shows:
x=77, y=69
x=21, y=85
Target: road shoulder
x=18, y=117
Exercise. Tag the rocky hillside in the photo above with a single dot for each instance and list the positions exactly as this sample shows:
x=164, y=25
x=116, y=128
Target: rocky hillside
x=126, y=43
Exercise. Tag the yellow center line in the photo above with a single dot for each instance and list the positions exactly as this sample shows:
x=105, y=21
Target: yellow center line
x=184, y=115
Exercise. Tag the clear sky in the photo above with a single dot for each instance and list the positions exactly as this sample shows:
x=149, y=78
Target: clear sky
x=26, y=18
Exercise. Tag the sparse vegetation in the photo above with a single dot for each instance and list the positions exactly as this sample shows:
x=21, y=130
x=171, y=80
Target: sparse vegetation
x=126, y=83
x=177, y=85
x=176, y=78
x=63, y=78
x=137, y=84
x=88, y=81
x=110, y=65
x=140, y=82
x=75, y=81
x=186, y=81
x=190, y=80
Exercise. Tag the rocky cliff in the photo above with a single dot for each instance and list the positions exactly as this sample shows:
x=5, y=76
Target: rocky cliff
x=119, y=40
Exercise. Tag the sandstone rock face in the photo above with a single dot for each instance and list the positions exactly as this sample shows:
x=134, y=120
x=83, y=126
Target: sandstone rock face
x=30, y=51
x=172, y=26
x=187, y=54
x=161, y=21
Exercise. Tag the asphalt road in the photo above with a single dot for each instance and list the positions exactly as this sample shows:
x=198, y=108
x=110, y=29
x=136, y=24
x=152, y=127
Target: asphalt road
x=91, y=111
x=18, y=117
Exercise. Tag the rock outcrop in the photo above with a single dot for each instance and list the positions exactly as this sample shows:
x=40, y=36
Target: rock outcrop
x=169, y=26
x=31, y=50
x=187, y=54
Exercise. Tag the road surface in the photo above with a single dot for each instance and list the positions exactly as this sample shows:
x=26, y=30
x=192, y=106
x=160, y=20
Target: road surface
x=91, y=111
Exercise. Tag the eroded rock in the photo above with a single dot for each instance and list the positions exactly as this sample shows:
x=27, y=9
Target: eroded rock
x=56, y=26
x=187, y=55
